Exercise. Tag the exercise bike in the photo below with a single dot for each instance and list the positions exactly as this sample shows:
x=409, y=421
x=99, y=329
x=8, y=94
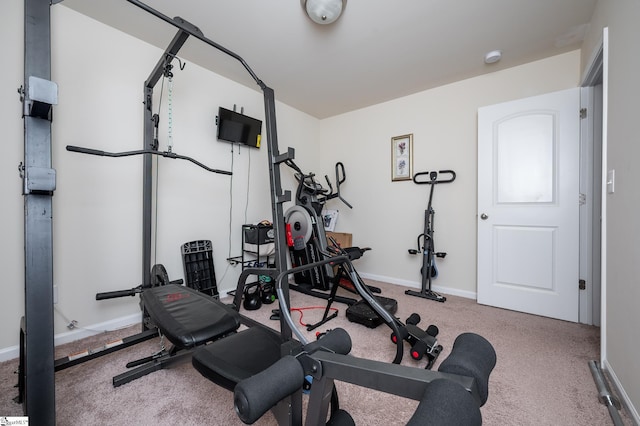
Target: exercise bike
x=429, y=269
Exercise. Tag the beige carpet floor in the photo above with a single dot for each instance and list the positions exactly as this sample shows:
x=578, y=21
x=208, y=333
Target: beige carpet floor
x=541, y=377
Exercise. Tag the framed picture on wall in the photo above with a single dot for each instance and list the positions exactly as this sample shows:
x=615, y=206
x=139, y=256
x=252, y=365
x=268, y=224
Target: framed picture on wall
x=402, y=157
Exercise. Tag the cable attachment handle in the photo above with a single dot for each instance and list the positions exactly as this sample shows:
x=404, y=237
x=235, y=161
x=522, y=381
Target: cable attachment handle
x=434, y=177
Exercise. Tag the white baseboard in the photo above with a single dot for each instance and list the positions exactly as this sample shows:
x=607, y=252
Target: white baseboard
x=619, y=391
x=417, y=285
x=12, y=352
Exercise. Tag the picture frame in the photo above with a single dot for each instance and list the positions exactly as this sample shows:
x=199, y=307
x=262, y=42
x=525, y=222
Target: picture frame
x=402, y=157
x=329, y=219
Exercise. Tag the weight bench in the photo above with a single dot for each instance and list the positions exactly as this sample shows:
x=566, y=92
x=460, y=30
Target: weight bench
x=187, y=318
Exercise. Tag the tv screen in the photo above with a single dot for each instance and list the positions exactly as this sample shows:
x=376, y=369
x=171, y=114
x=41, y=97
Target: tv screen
x=238, y=128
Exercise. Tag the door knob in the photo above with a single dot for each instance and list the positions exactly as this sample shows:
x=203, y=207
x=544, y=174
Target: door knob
x=484, y=216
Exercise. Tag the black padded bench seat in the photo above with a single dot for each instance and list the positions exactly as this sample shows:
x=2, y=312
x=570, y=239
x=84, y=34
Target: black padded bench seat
x=228, y=361
x=187, y=317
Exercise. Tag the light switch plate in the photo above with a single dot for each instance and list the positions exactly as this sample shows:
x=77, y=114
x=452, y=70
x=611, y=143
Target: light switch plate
x=611, y=181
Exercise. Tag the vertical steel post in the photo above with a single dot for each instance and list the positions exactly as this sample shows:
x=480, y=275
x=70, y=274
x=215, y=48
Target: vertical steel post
x=39, y=183
x=148, y=143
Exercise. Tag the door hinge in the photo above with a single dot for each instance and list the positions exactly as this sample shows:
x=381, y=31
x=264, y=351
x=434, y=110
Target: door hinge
x=582, y=199
x=583, y=113
x=582, y=284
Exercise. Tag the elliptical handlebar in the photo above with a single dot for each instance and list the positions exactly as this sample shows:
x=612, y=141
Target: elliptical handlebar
x=339, y=181
x=308, y=183
x=433, y=177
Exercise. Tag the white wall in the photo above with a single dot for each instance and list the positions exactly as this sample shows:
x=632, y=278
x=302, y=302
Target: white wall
x=623, y=232
x=388, y=216
x=98, y=202
x=11, y=212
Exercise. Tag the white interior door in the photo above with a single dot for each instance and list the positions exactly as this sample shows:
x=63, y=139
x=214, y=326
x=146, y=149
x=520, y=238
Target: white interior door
x=528, y=205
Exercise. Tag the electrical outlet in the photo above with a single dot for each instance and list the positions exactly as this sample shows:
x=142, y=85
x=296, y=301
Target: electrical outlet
x=55, y=294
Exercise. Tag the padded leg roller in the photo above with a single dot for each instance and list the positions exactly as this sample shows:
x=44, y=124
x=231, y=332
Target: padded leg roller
x=446, y=403
x=473, y=356
x=254, y=396
x=336, y=340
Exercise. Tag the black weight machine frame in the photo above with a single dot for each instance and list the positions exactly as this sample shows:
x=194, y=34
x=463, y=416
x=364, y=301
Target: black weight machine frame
x=150, y=149
x=39, y=184
x=149, y=331
x=428, y=247
x=38, y=94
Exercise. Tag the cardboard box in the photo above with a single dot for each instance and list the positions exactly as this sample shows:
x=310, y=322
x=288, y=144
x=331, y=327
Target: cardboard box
x=342, y=238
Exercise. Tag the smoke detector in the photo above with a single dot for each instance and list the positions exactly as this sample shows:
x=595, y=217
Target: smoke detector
x=493, y=57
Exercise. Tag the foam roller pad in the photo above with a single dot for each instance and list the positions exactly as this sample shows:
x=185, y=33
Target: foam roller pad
x=446, y=403
x=336, y=340
x=254, y=396
x=472, y=355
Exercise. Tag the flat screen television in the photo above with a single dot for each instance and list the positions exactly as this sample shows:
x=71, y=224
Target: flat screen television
x=238, y=128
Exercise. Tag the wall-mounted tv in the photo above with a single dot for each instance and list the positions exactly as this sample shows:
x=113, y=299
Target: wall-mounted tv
x=238, y=128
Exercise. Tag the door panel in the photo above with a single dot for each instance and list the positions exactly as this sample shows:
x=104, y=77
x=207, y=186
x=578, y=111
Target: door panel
x=526, y=255
x=528, y=193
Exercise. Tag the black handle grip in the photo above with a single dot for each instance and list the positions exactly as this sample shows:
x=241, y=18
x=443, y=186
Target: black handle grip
x=115, y=294
x=433, y=177
x=340, y=174
x=82, y=150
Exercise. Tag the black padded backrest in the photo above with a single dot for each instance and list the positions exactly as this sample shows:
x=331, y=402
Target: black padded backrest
x=187, y=317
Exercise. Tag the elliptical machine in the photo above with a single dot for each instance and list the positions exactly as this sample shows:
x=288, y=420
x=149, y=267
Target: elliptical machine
x=308, y=243
x=429, y=269
x=306, y=236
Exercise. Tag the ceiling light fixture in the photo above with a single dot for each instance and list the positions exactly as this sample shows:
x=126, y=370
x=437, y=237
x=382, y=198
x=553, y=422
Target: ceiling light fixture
x=323, y=11
x=493, y=57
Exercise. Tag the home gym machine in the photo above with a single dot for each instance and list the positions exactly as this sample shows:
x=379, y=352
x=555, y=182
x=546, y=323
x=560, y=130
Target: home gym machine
x=35, y=391
x=251, y=351
x=308, y=243
x=429, y=269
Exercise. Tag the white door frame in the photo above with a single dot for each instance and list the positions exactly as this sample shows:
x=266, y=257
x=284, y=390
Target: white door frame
x=590, y=190
x=596, y=73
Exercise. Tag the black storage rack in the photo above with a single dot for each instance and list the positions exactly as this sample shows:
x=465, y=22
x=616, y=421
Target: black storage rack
x=197, y=258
